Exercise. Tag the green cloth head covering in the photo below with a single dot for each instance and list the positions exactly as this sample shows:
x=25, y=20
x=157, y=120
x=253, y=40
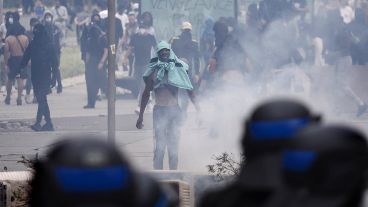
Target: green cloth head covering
x=176, y=69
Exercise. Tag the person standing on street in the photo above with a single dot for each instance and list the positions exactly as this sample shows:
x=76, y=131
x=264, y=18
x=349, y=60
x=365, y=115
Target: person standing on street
x=166, y=74
x=15, y=45
x=29, y=33
x=55, y=35
x=187, y=49
x=94, y=54
x=44, y=65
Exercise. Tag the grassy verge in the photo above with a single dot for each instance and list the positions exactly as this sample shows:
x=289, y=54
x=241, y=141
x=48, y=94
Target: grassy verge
x=71, y=63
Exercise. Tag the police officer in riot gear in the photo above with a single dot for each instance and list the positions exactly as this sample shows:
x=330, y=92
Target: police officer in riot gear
x=324, y=166
x=91, y=172
x=267, y=132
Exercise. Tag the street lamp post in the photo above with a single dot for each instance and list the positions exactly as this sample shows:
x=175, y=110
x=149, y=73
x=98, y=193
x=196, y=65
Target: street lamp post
x=111, y=71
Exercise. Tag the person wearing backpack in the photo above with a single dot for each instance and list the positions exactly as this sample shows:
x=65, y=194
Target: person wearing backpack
x=15, y=45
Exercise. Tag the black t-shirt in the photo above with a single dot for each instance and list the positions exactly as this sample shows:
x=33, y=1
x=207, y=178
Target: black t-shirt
x=118, y=28
x=142, y=45
x=95, y=48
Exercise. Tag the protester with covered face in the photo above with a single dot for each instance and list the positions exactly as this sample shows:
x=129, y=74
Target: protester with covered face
x=186, y=48
x=166, y=74
x=94, y=54
x=229, y=54
x=39, y=9
x=11, y=18
x=60, y=14
x=15, y=45
x=29, y=33
x=55, y=35
x=44, y=65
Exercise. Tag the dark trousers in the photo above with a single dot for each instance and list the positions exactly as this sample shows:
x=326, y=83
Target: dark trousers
x=138, y=75
x=58, y=74
x=43, y=108
x=28, y=82
x=166, y=123
x=95, y=79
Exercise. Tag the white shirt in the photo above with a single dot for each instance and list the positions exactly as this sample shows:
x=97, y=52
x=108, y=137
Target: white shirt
x=60, y=14
x=123, y=18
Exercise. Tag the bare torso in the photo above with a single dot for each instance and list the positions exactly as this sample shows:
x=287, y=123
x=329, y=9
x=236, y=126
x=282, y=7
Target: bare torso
x=165, y=95
x=13, y=47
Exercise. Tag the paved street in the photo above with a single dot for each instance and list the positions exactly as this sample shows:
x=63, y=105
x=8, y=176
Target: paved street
x=196, y=148
x=17, y=140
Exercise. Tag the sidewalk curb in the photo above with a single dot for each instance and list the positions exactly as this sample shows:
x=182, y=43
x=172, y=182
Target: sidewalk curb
x=73, y=81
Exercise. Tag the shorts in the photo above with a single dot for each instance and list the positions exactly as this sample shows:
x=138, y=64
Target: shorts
x=14, y=68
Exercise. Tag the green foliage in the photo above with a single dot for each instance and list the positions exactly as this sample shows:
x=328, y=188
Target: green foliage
x=225, y=166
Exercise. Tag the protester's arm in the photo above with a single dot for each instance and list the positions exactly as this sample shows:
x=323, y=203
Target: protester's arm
x=144, y=101
x=54, y=65
x=26, y=57
x=6, y=54
x=103, y=59
x=193, y=98
x=130, y=48
x=83, y=45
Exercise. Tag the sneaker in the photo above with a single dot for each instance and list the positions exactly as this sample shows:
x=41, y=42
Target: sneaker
x=149, y=108
x=47, y=127
x=19, y=101
x=88, y=107
x=7, y=100
x=137, y=110
x=36, y=127
x=34, y=100
x=361, y=109
x=28, y=99
x=59, y=89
